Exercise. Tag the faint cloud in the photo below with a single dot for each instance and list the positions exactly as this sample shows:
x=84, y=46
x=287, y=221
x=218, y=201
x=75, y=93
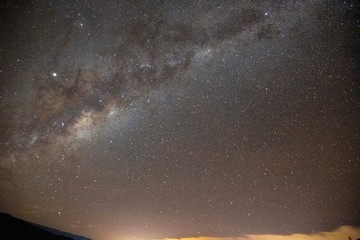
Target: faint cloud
x=37, y=210
x=342, y=233
x=74, y=226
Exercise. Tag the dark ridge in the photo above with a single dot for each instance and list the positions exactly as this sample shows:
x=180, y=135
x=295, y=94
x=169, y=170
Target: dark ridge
x=12, y=228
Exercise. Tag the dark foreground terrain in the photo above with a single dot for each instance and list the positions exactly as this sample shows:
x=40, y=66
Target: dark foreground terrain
x=12, y=228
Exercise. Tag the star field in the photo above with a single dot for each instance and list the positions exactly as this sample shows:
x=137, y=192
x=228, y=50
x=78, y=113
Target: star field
x=154, y=119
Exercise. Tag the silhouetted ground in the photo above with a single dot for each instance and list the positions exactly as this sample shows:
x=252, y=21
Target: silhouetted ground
x=12, y=228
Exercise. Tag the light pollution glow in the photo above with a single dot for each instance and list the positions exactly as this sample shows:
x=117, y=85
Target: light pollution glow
x=343, y=232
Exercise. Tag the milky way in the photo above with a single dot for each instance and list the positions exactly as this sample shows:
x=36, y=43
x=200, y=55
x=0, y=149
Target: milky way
x=157, y=119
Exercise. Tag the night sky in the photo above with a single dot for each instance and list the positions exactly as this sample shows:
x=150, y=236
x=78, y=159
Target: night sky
x=154, y=119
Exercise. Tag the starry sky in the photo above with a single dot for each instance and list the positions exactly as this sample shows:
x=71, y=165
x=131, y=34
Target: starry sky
x=168, y=119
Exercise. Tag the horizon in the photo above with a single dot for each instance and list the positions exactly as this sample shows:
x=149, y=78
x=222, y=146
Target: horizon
x=342, y=232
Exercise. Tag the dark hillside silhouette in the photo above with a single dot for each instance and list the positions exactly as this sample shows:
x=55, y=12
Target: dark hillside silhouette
x=12, y=228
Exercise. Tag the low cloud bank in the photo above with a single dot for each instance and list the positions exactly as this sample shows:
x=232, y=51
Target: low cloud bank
x=342, y=233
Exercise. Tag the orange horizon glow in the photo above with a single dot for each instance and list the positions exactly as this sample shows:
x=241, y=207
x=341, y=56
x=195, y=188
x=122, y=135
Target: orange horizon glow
x=341, y=233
